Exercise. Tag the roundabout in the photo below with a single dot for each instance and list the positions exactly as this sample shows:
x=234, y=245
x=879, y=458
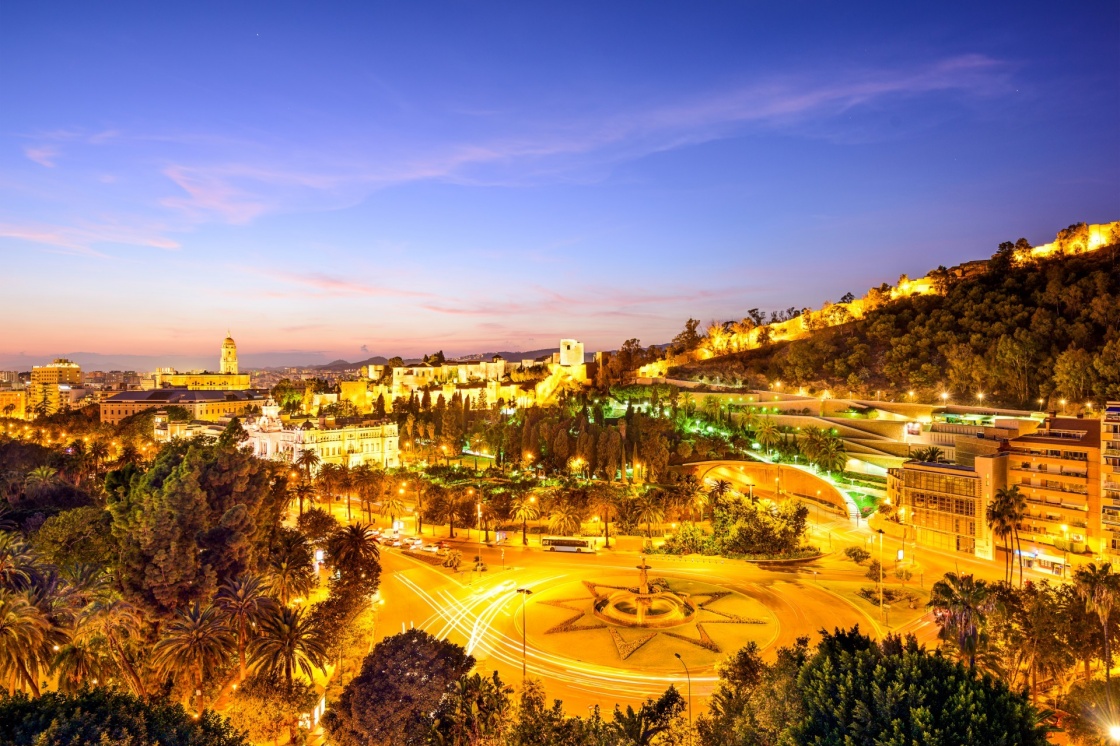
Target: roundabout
x=612, y=628
x=642, y=625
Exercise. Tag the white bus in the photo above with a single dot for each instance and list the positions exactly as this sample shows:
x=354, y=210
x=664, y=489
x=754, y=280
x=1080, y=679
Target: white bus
x=568, y=543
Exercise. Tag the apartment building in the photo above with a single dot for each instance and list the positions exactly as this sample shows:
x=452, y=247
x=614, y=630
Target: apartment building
x=1110, y=481
x=1058, y=470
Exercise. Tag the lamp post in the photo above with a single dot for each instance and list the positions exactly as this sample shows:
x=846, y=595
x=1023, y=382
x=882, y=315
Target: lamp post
x=525, y=593
x=881, y=609
x=688, y=677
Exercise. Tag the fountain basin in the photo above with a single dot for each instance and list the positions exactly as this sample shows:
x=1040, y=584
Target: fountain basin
x=657, y=609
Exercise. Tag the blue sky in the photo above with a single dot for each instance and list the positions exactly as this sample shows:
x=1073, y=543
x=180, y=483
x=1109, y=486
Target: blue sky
x=331, y=179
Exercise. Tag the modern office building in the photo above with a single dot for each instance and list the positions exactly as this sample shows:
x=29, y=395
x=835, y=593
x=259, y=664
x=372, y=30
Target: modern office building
x=945, y=505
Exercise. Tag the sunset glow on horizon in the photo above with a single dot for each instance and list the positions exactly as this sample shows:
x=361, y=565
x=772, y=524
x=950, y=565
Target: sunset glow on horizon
x=354, y=182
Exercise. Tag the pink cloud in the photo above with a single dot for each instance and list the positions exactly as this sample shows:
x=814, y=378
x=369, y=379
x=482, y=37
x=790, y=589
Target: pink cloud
x=82, y=238
x=44, y=155
x=209, y=195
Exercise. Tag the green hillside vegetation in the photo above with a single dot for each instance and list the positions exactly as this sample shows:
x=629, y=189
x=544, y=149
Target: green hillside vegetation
x=1048, y=329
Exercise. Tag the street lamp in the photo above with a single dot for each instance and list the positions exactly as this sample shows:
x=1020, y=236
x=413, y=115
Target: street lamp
x=881, y=609
x=1114, y=733
x=525, y=593
x=688, y=676
x=944, y=397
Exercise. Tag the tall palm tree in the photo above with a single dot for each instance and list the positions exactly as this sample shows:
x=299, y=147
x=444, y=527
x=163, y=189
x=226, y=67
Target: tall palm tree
x=113, y=618
x=80, y=662
x=525, y=510
x=308, y=461
x=604, y=498
x=23, y=628
x=289, y=571
x=1100, y=587
x=1015, y=505
x=832, y=457
x=243, y=601
x=719, y=490
x=287, y=641
x=353, y=546
x=651, y=511
x=812, y=442
x=363, y=479
x=303, y=491
x=564, y=519
x=392, y=505
x=346, y=485
x=769, y=434
x=960, y=605
x=194, y=643
x=327, y=482
x=19, y=566
x=999, y=521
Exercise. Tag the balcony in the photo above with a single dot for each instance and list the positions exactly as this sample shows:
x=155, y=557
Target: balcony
x=1045, y=470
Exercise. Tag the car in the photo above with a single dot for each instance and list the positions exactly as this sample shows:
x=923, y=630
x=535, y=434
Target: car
x=414, y=543
x=433, y=548
x=396, y=543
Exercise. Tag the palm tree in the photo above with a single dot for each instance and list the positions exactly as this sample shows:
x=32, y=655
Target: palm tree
x=346, y=485
x=41, y=477
x=998, y=517
x=525, y=510
x=194, y=643
x=812, y=442
x=603, y=500
x=930, y=455
x=960, y=604
x=23, y=628
x=769, y=434
x=353, y=546
x=719, y=490
x=288, y=640
x=243, y=600
x=564, y=519
x=650, y=510
x=307, y=460
x=289, y=571
x=832, y=456
x=116, y=620
x=327, y=482
x=363, y=479
x=303, y=491
x=78, y=662
x=1014, y=504
x=1100, y=587
x=18, y=563
x=392, y=505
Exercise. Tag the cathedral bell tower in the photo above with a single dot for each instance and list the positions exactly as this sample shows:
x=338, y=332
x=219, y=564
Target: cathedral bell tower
x=229, y=357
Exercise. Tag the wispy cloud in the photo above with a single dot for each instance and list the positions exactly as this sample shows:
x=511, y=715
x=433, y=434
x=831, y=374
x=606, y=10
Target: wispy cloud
x=82, y=238
x=323, y=285
x=44, y=155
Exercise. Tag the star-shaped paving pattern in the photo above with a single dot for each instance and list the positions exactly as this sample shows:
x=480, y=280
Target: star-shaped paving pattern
x=583, y=618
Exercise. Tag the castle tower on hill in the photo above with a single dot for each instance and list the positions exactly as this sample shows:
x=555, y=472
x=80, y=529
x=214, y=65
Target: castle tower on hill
x=229, y=357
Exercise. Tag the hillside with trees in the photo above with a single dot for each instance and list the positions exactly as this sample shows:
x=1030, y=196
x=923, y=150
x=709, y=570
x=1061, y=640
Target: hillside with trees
x=1021, y=330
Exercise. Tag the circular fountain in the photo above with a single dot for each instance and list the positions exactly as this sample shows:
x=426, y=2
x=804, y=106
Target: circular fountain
x=644, y=606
